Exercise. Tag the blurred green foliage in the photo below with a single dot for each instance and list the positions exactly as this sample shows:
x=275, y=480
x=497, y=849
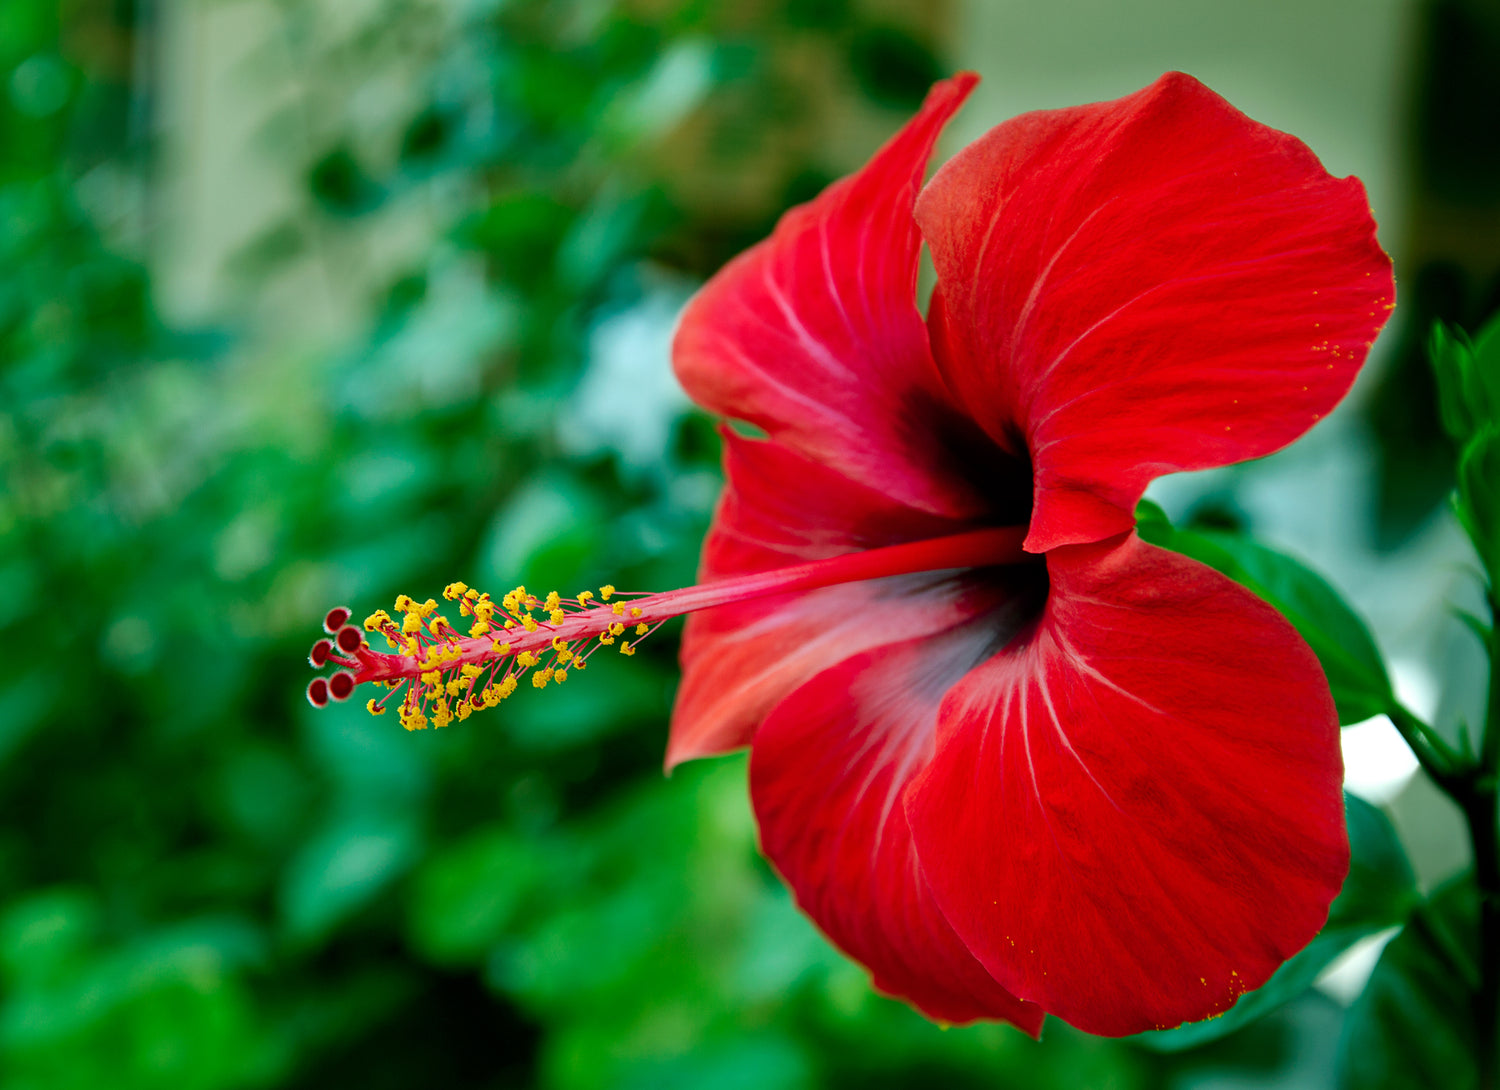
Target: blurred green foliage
x=205, y=884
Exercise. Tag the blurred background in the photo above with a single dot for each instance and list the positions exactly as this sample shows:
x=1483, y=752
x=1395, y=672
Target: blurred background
x=306, y=302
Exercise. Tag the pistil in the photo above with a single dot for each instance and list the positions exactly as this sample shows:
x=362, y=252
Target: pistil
x=551, y=635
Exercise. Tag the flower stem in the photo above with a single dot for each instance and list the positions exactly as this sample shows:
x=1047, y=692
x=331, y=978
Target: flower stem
x=1480, y=812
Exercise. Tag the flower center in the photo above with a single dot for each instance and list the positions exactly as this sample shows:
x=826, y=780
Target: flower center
x=447, y=675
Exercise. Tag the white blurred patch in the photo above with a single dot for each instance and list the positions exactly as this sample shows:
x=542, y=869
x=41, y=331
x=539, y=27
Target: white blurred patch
x=1345, y=979
x=629, y=399
x=1377, y=761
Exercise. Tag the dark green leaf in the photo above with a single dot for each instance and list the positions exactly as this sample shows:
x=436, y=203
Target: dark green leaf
x=1379, y=892
x=1350, y=659
x=1479, y=495
x=1413, y=1026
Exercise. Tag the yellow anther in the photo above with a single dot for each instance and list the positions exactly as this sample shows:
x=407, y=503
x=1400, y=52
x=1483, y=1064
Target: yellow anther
x=454, y=591
x=635, y=611
x=465, y=709
x=606, y=590
x=501, y=648
x=428, y=608
x=455, y=687
x=463, y=607
x=507, y=687
x=559, y=644
x=413, y=648
x=560, y=676
x=404, y=604
x=471, y=594
x=579, y=665
x=565, y=656
x=510, y=603
x=413, y=719
x=627, y=649
x=617, y=629
x=441, y=716
x=619, y=608
x=606, y=640
x=552, y=601
x=556, y=616
x=642, y=628
x=438, y=624
x=432, y=677
x=526, y=659
x=478, y=628
x=373, y=707
x=471, y=669
x=413, y=623
x=528, y=622
x=379, y=619
x=584, y=596
x=539, y=679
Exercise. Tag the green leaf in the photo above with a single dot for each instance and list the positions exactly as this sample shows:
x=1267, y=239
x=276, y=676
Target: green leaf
x=1478, y=502
x=1414, y=1026
x=468, y=894
x=1379, y=892
x=1352, y=663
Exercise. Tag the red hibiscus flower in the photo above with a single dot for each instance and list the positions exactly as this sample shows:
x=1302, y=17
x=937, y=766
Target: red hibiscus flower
x=1006, y=755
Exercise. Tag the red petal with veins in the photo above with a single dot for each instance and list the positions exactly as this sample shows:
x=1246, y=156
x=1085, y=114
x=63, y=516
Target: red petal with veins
x=1142, y=286
x=831, y=821
x=780, y=508
x=1135, y=816
x=814, y=334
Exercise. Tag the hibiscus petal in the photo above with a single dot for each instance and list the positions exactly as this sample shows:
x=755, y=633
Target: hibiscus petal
x=1147, y=285
x=814, y=334
x=829, y=805
x=1134, y=813
x=780, y=508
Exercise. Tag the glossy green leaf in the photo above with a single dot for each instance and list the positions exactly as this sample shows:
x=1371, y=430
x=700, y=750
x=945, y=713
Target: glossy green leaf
x=1351, y=661
x=1379, y=892
x=1413, y=1026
